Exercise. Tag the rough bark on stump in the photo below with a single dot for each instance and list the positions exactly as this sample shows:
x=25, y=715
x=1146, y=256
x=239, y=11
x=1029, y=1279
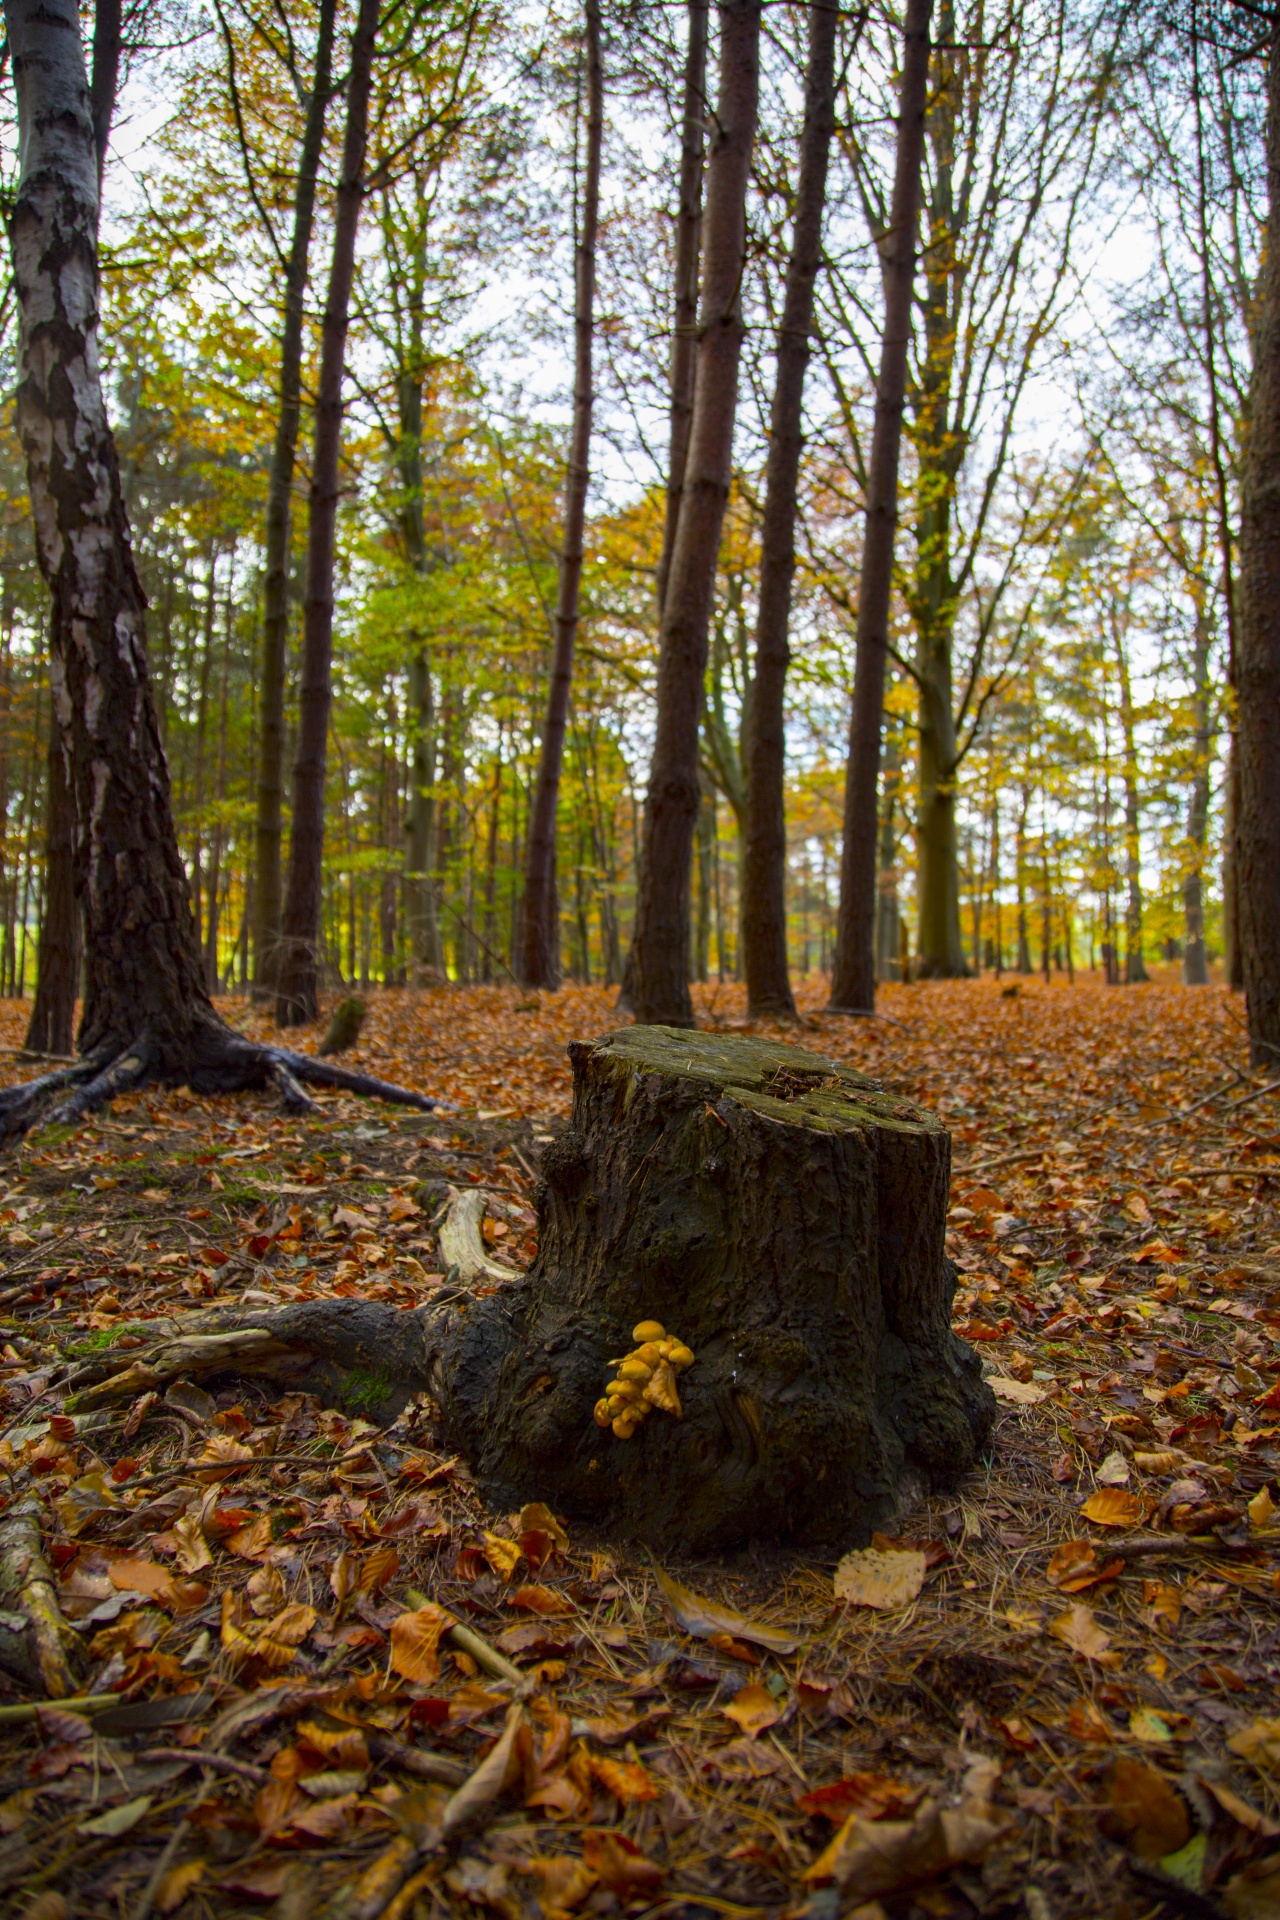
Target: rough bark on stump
x=775, y=1210
x=783, y=1217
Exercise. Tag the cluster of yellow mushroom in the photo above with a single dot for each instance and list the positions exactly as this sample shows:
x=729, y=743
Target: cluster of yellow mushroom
x=646, y=1378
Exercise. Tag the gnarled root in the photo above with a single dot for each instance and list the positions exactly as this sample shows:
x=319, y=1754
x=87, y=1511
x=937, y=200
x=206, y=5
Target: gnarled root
x=212, y=1059
x=462, y=1243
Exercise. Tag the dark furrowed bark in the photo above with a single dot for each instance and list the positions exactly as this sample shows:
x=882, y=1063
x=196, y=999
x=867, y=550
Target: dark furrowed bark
x=539, y=959
x=275, y=615
x=297, y=984
x=659, y=983
x=1258, y=656
x=764, y=867
x=51, y=1028
x=853, y=984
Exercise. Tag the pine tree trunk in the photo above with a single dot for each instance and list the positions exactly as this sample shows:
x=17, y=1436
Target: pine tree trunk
x=660, y=953
x=1195, y=969
x=268, y=829
x=297, y=986
x=684, y=334
x=782, y=1217
x=539, y=959
x=764, y=866
x=853, y=976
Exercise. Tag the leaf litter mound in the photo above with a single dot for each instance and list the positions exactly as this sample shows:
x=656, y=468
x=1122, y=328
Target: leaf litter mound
x=322, y=1678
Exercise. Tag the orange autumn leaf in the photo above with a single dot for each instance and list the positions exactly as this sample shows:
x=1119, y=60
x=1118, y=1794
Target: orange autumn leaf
x=619, y=1864
x=504, y=1556
x=275, y=1641
x=539, y=1599
x=626, y=1780
x=415, y=1642
x=221, y=1452
x=1113, y=1507
x=753, y=1708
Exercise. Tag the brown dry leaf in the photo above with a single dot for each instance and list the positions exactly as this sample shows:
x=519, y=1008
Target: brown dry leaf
x=275, y=1642
x=1078, y=1629
x=537, y=1518
x=504, y=1556
x=415, y=1642
x=221, y=1451
x=882, y=1856
x=1085, y=1721
x=1259, y=1744
x=177, y=1884
x=341, y=1748
x=1072, y=1560
x=753, y=1708
x=874, y=1795
x=1144, y=1808
x=626, y=1780
x=501, y=1769
x=1136, y=1209
x=265, y=1591
x=1113, y=1507
x=1018, y=1393
x=563, y=1881
x=702, y=1618
x=193, y=1549
x=538, y=1599
x=378, y=1569
x=884, y=1580
x=618, y=1863
x=342, y=1575
x=146, y=1576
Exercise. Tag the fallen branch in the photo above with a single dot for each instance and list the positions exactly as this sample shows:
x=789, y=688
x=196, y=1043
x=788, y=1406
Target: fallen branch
x=74, y=1703
x=481, y=1652
x=26, y=1581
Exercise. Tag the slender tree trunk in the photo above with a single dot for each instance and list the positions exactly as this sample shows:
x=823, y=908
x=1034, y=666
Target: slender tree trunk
x=104, y=78
x=1258, y=657
x=1195, y=969
x=539, y=961
x=1135, y=969
x=853, y=970
x=887, y=908
x=268, y=832
x=297, y=986
x=684, y=335
x=764, y=869
x=660, y=985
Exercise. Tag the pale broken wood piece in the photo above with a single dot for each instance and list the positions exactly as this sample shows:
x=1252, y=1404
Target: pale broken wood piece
x=26, y=1586
x=461, y=1242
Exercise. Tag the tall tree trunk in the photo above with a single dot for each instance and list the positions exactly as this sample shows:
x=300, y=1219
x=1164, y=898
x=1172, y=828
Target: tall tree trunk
x=52, y=1023
x=764, y=868
x=268, y=832
x=684, y=335
x=660, y=984
x=1134, y=966
x=297, y=988
x=853, y=986
x=1195, y=969
x=539, y=959
x=144, y=970
x=1258, y=656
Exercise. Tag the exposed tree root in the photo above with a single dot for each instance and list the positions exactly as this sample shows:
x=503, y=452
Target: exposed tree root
x=212, y=1059
x=462, y=1244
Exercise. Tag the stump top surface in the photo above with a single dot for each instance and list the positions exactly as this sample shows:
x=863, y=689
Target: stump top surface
x=779, y=1081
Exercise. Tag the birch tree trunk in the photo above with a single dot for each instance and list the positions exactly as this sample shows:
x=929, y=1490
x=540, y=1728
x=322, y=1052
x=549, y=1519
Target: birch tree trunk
x=660, y=953
x=538, y=962
x=268, y=833
x=764, y=866
x=297, y=988
x=853, y=975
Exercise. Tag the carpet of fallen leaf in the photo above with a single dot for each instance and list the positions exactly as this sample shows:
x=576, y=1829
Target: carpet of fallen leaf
x=1053, y=1694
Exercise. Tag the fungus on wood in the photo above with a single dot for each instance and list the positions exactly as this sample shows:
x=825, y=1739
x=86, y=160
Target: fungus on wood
x=784, y=1218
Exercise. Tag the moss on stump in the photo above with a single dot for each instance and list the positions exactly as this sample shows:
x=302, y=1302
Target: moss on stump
x=785, y=1218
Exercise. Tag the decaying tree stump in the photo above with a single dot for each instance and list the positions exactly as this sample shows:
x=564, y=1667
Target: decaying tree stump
x=785, y=1219
x=773, y=1210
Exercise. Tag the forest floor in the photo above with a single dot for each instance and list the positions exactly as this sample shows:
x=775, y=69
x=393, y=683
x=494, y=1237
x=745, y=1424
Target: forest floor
x=1066, y=1709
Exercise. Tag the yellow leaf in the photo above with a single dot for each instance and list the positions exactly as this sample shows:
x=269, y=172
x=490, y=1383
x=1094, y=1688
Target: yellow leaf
x=177, y=1884
x=626, y=1780
x=1261, y=1508
x=504, y=1556
x=193, y=1549
x=885, y=1580
x=415, y=1642
x=754, y=1708
x=1259, y=1744
x=1019, y=1393
x=222, y=1452
x=1078, y=1629
x=1113, y=1507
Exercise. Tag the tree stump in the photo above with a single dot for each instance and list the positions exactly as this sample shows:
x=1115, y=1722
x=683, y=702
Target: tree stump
x=784, y=1218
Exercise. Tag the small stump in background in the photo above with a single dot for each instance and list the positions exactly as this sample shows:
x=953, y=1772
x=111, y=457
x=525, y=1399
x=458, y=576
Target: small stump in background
x=785, y=1219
